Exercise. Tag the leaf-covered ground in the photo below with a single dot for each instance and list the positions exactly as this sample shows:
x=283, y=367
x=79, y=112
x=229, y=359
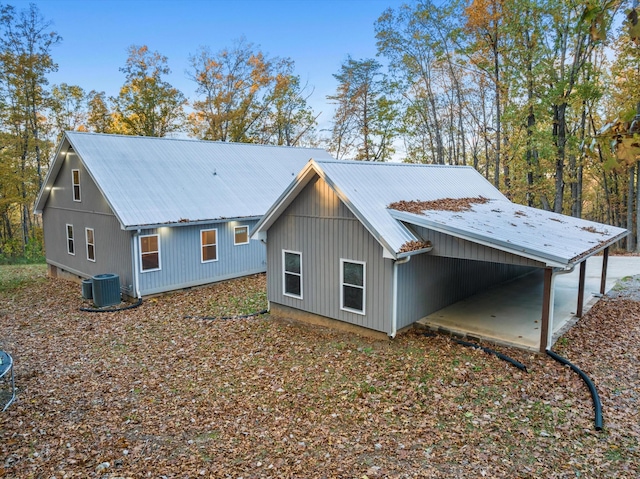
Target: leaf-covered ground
x=149, y=393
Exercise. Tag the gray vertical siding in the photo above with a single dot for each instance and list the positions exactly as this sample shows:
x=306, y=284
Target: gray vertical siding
x=322, y=228
x=452, y=247
x=428, y=283
x=180, y=259
x=112, y=244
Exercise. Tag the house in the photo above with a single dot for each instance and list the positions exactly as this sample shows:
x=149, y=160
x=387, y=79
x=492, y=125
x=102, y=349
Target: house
x=160, y=213
x=382, y=245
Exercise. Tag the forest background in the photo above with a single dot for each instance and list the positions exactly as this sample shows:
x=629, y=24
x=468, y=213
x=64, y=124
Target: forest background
x=541, y=97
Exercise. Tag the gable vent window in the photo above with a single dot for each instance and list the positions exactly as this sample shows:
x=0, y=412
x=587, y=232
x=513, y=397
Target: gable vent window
x=75, y=178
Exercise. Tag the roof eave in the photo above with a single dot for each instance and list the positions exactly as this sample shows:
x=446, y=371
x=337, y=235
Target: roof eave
x=549, y=259
x=174, y=224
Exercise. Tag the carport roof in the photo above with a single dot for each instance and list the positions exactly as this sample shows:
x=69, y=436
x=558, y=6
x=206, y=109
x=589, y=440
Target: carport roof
x=369, y=188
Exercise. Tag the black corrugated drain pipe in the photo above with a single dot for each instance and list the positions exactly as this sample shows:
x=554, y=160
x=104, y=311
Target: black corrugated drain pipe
x=222, y=318
x=594, y=394
x=495, y=353
x=112, y=310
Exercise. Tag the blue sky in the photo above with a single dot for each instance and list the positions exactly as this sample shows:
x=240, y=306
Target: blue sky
x=317, y=34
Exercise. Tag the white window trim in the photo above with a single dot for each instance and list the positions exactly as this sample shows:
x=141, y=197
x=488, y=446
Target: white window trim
x=142, y=270
x=285, y=272
x=73, y=239
x=202, y=245
x=86, y=237
x=73, y=186
x=234, y=235
x=364, y=286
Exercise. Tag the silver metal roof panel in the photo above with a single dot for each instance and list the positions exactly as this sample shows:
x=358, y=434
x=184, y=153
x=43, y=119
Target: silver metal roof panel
x=152, y=181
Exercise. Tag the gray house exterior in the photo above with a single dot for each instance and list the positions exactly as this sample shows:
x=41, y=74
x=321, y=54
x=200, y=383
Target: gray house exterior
x=337, y=251
x=163, y=214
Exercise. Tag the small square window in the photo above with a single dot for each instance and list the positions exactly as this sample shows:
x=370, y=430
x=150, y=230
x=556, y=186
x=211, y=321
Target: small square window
x=241, y=235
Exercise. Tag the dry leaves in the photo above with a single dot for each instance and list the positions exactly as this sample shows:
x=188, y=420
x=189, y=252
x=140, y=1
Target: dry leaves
x=148, y=393
x=444, y=204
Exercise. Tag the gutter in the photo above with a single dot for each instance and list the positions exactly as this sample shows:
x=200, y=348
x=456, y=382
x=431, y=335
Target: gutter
x=394, y=313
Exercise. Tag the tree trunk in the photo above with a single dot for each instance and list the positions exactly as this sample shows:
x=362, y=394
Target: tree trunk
x=630, y=194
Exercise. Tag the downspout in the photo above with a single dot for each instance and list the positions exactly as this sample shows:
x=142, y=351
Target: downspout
x=136, y=276
x=394, y=313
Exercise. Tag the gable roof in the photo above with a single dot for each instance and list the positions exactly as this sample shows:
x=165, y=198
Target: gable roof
x=151, y=181
x=369, y=188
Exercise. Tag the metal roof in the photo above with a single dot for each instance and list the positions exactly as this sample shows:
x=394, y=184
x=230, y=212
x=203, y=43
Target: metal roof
x=155, y=181
x=368, y=189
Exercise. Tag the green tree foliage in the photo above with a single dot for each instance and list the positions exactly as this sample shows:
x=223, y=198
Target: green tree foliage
x=364, y=123
x=68, y=109
x=147, y=104
x=245, y=96
x=25, y=62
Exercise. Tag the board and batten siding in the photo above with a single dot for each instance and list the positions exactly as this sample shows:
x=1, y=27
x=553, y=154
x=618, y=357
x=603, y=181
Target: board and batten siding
x=428, y=283
x=112, y=244
x=321, y=227
x=180, y=257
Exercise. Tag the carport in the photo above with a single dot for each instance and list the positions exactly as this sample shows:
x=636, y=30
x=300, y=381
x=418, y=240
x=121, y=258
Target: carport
x=528, y=311
x=511, y=313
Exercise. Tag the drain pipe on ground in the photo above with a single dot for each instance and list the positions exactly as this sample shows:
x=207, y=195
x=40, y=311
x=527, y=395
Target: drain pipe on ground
x=394, y=314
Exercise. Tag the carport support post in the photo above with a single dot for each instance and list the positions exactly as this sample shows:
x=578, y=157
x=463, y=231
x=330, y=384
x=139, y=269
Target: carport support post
x=605, y=262
x=583, y=268
x=546, y=333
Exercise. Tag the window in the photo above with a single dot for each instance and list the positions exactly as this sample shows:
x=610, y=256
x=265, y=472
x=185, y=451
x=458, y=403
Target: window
x=292, y=267
x=75, y=179
x=241, y=235
x=91, y=245
x=352, y=292
x=150, y=253
x=209, y=245
x=71, y=247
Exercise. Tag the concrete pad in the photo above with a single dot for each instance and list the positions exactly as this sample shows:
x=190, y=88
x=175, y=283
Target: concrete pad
x=511, y=313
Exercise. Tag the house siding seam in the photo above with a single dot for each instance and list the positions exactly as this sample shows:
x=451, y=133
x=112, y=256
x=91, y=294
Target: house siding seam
x=323, y=229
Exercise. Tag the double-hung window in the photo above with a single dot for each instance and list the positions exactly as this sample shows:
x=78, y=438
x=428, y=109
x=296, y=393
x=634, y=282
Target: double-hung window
x=149, y=253
x=91, y=244
x=75, y=180
x=71, y=244
x=352, y=286
x=240, y=235
x=209, y=245
x=292, y=277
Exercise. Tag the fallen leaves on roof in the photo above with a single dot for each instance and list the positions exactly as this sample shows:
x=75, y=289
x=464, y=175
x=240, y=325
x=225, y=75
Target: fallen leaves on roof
x=414, y=246
x=443, y=204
